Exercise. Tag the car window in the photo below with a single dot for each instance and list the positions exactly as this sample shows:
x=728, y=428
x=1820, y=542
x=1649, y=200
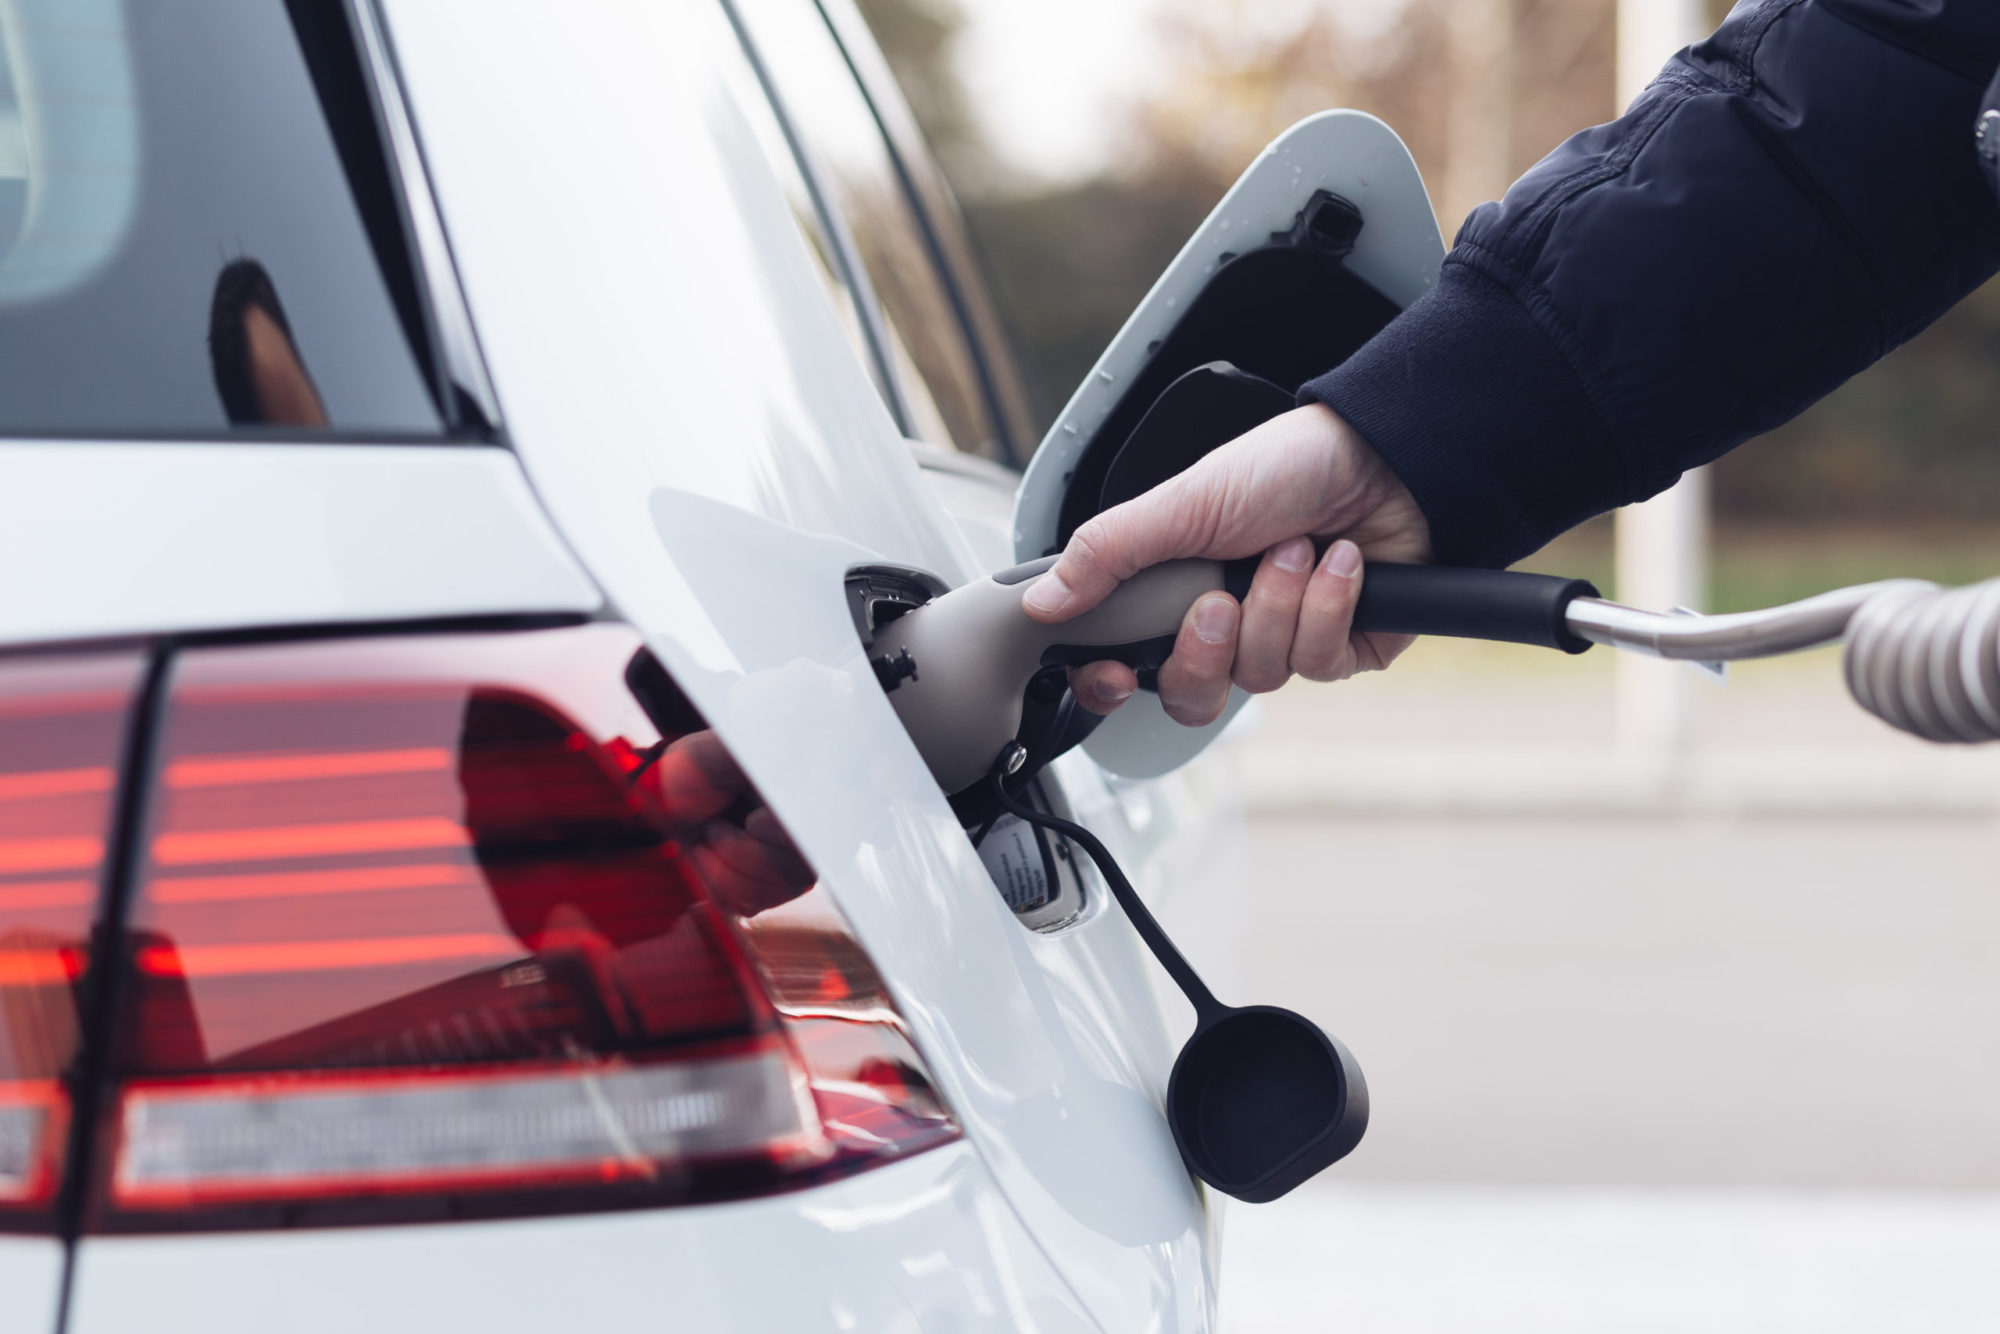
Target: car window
x=180, y=248
x=780, y=155
x=926, y=345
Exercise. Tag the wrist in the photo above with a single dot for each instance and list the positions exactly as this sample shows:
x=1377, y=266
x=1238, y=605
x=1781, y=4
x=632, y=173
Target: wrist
x=1364, y=498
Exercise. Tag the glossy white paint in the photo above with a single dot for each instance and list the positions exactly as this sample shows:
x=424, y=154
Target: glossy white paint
x=979, y=497
x=1399, y=253
x=925, y=1245
x=691, y=424
x=101, y=540
x=682, y=397
x=30, y=1283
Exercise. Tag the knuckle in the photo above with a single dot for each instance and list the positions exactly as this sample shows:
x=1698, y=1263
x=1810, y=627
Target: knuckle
x=1194, y=713
x=1320, y=665
x=1260, y=679
x=1084, y=552
x=1102, y=546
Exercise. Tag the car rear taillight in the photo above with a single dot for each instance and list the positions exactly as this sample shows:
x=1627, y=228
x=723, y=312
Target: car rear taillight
x=62, y=729
x=477, y=924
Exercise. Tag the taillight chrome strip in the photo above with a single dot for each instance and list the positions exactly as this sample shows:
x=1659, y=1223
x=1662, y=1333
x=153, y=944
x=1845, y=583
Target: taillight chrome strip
x=277, y=1136
x=33, y=1113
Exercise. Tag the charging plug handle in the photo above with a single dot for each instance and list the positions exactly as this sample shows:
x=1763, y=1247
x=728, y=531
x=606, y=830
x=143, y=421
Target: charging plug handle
x=1505, y=605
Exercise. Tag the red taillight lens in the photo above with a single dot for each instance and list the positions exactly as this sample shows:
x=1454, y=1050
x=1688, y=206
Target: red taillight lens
x=456, y=925
x=62, y=727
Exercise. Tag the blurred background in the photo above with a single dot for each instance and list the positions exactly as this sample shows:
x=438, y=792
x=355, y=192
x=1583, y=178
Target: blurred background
x=1680, y=1005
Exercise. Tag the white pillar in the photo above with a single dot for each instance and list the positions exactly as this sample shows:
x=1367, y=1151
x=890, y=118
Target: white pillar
x=1648, y=32
x=1662, y=549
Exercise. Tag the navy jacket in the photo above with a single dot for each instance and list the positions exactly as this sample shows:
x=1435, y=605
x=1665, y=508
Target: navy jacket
x=1787, y=202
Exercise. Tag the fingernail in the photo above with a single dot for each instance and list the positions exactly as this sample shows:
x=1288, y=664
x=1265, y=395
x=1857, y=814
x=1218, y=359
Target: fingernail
x=1215, y=619
x=1108, y=693
x=1048, y=594
x=1345, y=559
x=1294, y=555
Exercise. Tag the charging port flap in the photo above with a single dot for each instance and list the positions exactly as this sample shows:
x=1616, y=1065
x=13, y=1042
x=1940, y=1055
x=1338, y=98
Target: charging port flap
x=1321, y=242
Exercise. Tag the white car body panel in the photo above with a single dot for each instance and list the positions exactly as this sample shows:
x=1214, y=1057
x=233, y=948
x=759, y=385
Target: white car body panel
x=102, y=540
x=979, y=497
x=1398, y=253
x=684, y=401
x=697, y=450
x=31, y=1270
x=924, y=1245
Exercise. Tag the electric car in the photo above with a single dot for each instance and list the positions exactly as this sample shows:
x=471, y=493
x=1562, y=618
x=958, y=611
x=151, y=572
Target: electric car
x=458, y=865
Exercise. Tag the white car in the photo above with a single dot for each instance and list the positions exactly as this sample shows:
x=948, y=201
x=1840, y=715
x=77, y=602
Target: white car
x=458, y=869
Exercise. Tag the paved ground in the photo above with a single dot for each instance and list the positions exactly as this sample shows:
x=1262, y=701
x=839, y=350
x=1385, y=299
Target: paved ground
x=1731, y=1069
x=1468, y=728
x=1770, y=1002
x=1637, y=1074
x=1376, y=1259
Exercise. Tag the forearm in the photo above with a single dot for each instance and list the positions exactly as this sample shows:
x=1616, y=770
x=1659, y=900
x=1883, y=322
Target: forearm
x=1790, y=200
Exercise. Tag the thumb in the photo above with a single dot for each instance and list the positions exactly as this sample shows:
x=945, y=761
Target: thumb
x=1108, y=549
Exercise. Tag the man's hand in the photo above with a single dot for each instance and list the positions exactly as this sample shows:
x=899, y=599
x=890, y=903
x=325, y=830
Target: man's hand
x=1301, y=475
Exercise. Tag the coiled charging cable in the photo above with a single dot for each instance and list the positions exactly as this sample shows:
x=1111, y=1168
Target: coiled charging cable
x=1927, y=660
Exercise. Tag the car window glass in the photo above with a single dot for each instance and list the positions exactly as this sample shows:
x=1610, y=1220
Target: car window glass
x=829, y=111
x=180, y=251
x=927, y=420
x=778, y=154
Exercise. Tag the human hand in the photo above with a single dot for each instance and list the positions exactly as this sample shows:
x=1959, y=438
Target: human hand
x=1303, y=474
x=749, y=865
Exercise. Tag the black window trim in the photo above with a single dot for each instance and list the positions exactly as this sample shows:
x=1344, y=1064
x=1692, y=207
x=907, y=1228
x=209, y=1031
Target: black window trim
x=1015, y=446
x=467, y=399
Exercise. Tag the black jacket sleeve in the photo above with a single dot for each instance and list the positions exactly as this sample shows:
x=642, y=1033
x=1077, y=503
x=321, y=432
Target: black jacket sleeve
x=1787, y=202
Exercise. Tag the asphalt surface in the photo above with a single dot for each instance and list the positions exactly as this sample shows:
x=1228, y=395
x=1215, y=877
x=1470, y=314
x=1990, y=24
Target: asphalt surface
x=1385, y=1259
x=1635, y=1074
x=1704, y=1002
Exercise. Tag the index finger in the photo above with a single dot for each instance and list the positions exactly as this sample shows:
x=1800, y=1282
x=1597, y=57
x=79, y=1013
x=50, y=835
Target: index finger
x=1110, y=548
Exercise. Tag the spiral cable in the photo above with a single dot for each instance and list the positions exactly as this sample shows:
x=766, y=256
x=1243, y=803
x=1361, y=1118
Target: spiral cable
x=1927, y=660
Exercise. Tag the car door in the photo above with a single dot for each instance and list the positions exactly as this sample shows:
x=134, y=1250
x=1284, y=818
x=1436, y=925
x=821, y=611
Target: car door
x=688, y=406
x=684, y=397
x=945, y=377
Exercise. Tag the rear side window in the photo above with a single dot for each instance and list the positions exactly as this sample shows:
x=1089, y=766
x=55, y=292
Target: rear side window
x=929, y=352
x=182, y=247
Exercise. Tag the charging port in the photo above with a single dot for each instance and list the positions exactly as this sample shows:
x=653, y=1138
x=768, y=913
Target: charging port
x=878, y=594
x=1035, y=871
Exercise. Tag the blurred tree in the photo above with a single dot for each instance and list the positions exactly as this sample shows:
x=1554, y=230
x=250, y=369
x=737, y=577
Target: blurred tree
x=918, y=38
x=1069, y=263
x=1479, y=89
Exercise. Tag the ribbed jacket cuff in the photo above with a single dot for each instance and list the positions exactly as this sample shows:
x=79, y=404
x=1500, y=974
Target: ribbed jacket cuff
x=1475, y=409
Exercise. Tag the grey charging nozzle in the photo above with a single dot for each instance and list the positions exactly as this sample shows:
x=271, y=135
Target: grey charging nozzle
x=974, y=650
x=956, y=668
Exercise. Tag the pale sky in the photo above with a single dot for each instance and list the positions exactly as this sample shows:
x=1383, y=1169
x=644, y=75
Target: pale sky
x=1046, y=77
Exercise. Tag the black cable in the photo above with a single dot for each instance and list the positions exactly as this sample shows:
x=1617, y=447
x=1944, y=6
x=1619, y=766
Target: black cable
x=1157, y=940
